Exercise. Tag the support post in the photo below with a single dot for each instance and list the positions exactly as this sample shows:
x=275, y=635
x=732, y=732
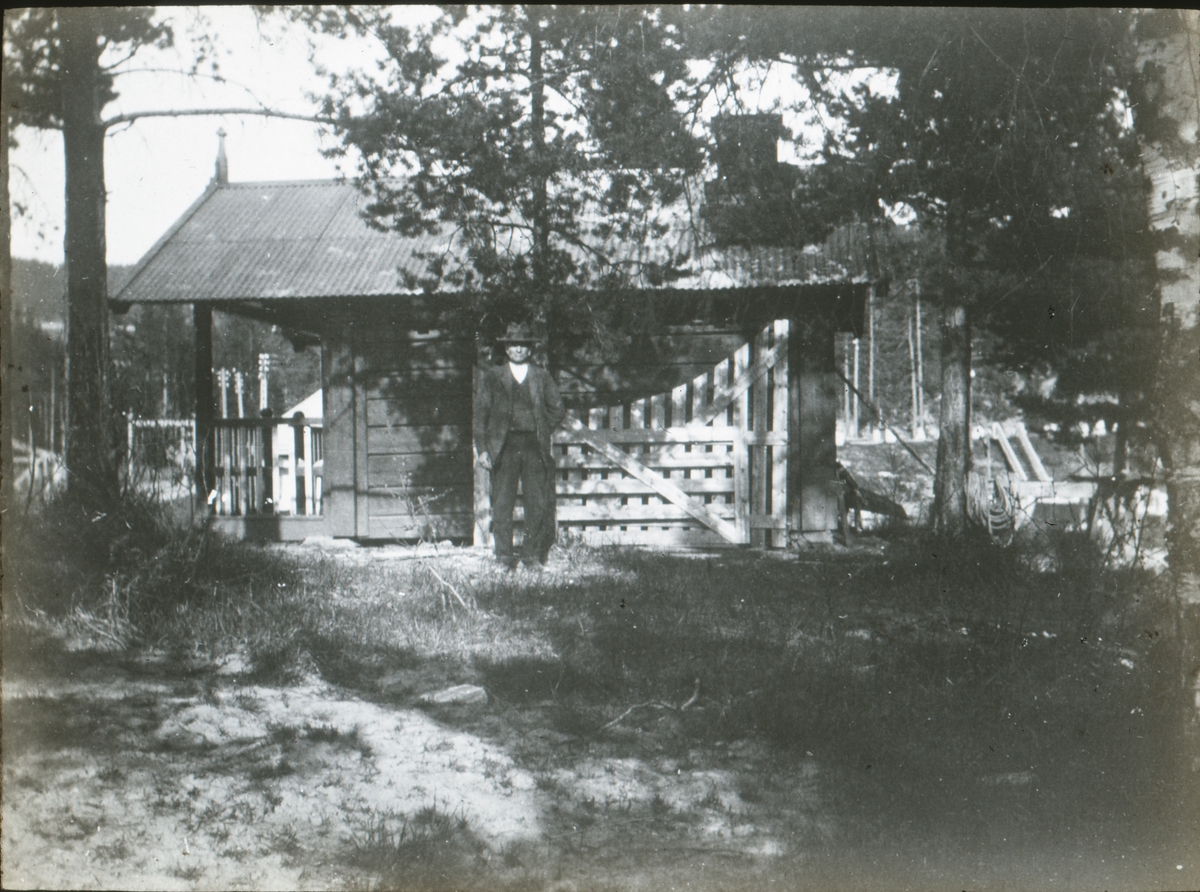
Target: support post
x=854, y=394
x=206, y=468
x=301, y=462
x=812, y=486
x=267, y=469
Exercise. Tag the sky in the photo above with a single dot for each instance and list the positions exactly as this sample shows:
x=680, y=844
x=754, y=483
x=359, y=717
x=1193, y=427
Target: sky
x=157, y=167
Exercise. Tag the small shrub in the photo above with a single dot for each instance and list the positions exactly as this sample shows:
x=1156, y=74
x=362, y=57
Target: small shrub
x=433, y=845
x=659, y=807
x=322, y=733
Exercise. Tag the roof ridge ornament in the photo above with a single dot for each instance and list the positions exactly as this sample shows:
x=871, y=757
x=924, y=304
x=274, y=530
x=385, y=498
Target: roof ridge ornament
x=221, y=172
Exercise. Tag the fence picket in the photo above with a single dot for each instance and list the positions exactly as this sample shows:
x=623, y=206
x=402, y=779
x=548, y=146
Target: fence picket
x=637, y=421
x=658, y=421
x=597, y=421
x=679, y=407
x=720, y=419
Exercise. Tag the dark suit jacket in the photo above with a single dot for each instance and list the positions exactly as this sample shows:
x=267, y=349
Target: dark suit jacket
x=493, y=409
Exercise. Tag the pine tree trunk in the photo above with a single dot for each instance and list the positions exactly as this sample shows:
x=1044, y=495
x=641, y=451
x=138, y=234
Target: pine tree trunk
x=541, y=234
x=954, y=440
x=1172, y=165
x=92, y=476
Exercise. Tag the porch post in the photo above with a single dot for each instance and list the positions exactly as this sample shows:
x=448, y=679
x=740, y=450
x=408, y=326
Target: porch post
x=206, y=468
x=812, y=419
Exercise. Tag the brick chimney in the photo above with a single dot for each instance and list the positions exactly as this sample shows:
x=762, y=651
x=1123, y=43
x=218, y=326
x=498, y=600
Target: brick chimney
x=746, y=148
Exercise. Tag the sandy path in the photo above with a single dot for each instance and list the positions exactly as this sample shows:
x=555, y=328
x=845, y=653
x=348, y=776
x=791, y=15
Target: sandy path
x=234, y=787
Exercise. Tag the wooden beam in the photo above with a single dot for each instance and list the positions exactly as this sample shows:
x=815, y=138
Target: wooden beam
x=1035, y=461
x=668, y=458
x=632, y=515
x=1010, y=455
x=617, y=487
x=812, y=418
x=659, y=484
x=206, y=459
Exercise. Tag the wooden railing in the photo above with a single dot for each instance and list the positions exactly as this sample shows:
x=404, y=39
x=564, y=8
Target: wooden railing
x=253, y=474
x=45, y=473
x=160, y=455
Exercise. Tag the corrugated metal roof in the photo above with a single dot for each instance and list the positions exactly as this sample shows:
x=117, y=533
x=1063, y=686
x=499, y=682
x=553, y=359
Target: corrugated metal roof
x=308, y=239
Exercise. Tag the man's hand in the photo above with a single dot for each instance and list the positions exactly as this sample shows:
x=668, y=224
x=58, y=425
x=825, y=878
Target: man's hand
x=485, y=460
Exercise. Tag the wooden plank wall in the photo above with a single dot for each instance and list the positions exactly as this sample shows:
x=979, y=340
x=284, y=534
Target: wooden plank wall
x=413, y=416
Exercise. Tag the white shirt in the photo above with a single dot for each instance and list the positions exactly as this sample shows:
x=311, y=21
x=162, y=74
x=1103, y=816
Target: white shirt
x=519, y=371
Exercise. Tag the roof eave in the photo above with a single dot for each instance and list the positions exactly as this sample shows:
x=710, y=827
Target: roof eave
x=195, y=206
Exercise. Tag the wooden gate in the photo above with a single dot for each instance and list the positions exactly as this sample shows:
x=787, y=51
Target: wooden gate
x=703, y=465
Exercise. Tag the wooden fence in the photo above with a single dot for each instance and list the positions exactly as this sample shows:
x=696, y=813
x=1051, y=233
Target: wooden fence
x=703, y=465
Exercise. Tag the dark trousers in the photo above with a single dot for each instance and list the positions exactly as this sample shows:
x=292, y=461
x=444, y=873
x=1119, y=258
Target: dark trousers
x=521, y=460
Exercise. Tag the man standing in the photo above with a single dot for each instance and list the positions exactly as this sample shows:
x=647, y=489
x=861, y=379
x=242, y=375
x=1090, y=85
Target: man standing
x=517, y=409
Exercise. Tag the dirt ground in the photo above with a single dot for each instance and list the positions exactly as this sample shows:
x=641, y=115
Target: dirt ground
x=135, y=772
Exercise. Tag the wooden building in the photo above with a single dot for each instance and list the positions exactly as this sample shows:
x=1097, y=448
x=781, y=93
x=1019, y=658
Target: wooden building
x=723, y=434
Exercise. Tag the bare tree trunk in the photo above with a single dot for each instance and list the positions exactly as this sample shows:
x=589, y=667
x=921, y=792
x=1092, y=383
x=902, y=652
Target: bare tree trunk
x=1172, y=164
x=92, y=476
x=920, y=366
x=954, y=440
x=6, y=311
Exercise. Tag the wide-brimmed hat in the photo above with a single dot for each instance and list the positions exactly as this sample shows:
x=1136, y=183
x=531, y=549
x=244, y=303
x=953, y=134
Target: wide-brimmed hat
x=518, y=333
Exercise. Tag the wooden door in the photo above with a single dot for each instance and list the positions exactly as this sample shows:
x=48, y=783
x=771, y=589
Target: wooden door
x=398, y=435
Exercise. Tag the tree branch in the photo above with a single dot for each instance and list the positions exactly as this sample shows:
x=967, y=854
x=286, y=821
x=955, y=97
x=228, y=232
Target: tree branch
x=197, y=112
